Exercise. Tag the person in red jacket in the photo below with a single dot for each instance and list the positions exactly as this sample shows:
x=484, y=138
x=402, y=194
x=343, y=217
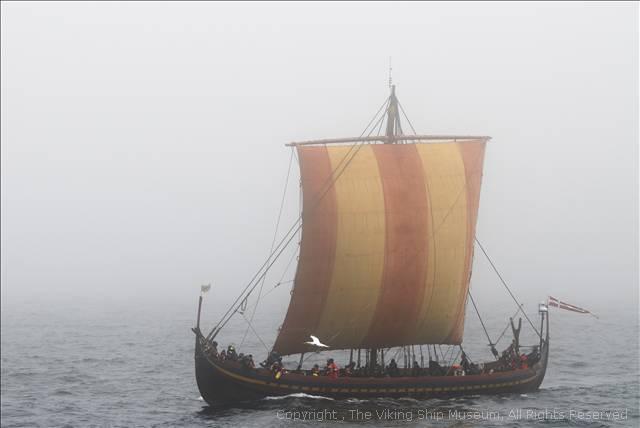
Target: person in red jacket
x=332, y=369
x=524, y=362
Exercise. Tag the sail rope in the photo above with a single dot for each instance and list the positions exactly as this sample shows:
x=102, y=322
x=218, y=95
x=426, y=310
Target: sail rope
x=491, y=344
x=407, y=117
x=255, y=332
x=381, y=122
x=507, y=287
x=288, y=237
x=277, y=284
x=281, y=280
x=450, y=364
x=273, y=242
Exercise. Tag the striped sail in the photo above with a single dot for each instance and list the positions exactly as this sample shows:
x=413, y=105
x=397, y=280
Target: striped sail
x=386, y=250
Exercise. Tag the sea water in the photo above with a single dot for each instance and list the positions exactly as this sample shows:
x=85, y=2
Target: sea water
x=110, y=363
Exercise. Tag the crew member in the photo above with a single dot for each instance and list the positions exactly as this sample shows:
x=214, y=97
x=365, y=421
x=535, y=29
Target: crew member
x=231, y=353
x=415, y=370
x=247, y=361
x=332, y=369
x=524, y=362
x=212, y=348
x=435, y=369
x=349, y=368
x=277, y=369
x=464, y=362
x=392, y=368
x=315, y=371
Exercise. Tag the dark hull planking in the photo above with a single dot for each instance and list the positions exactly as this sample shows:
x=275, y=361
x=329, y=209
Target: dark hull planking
x=227, y=382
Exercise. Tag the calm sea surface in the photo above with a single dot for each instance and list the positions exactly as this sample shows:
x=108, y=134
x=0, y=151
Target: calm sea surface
x=131, y=364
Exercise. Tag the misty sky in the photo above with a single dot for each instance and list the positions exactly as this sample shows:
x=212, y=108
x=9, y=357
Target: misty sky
x=143, y=144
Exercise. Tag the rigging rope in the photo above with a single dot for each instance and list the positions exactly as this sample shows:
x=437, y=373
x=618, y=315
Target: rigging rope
x=255, y=332
x=381, y=121
x=286, y=269
x=407, y=117
x=482, y=323
x=278, y=284
x=452, y=360
x=465, y=354
x=507, y=287
x=442, y=354
x=273, y=242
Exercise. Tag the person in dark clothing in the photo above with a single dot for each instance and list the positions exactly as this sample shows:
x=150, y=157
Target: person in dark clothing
x=247, y=362
x=533, y=356
x=231, y=353
x=435, y=369
x=415, y=369
x=464, y=363
x=349, y=369
x=211, y=348
x=392, y=368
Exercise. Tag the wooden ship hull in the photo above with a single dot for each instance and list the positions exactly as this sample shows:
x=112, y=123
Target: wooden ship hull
x=228, y=382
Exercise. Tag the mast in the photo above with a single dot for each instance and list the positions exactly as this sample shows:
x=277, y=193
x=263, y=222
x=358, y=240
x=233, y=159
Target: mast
x=393, y=126
x=392, y=116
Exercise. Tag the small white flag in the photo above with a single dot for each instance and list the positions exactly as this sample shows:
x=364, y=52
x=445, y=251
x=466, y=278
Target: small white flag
x=205, y=288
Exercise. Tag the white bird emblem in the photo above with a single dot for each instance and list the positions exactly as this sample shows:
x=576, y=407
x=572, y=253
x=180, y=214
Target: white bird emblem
x=316, y=342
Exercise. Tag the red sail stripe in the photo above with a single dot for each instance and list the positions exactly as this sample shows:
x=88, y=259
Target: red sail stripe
x=405, y=260
x=317, y=249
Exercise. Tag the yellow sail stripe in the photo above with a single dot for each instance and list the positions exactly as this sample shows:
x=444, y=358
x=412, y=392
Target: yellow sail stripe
x=445, y=282
x=359, y=256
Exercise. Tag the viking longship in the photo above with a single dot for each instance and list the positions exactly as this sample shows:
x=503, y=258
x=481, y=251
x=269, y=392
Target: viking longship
x=387, y=243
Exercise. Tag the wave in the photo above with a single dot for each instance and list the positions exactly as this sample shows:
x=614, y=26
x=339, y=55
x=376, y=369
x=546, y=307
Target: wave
x=356, y=400
x=300, y=395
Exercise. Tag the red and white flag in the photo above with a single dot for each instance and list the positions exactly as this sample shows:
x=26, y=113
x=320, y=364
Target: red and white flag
x=569, y=307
